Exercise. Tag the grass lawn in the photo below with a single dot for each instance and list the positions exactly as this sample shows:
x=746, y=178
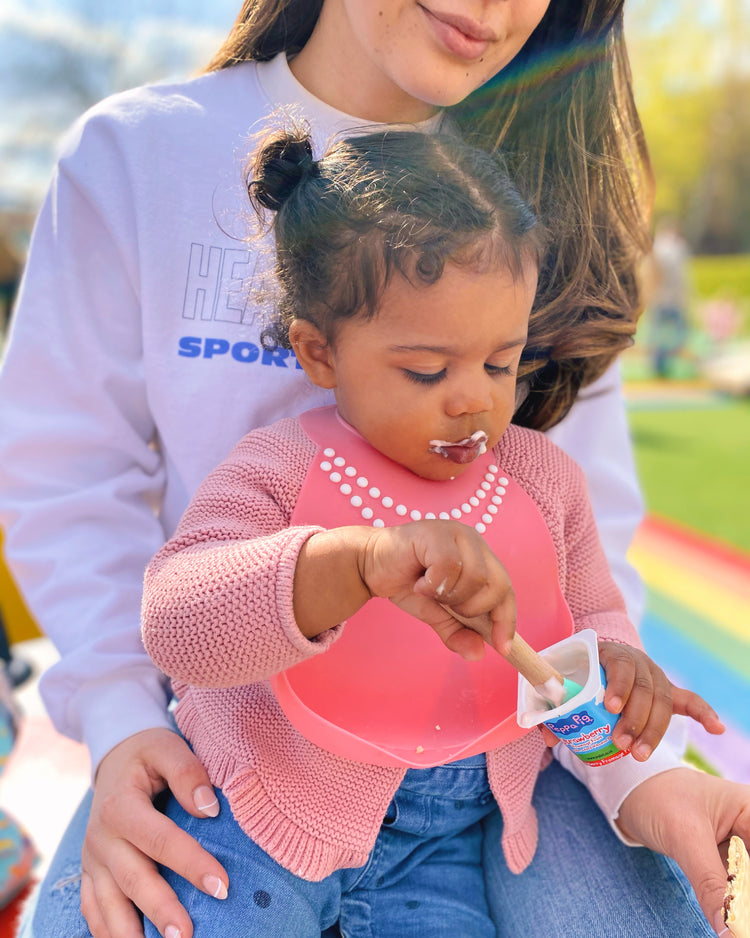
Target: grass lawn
x=694, y=466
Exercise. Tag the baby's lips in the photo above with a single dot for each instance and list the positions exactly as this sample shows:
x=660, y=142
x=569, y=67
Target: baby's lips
x=464, y=454
x=462, y=451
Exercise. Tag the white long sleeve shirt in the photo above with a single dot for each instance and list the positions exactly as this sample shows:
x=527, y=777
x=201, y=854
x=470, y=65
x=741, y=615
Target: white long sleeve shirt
x=134, y=365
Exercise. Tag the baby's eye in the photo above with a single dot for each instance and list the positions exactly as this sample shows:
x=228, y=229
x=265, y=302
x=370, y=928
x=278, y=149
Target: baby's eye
x=504, y=370
x=421, y=378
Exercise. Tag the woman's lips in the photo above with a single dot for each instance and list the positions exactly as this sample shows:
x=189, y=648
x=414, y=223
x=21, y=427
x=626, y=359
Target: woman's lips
x=462, y=451
x=461, y=36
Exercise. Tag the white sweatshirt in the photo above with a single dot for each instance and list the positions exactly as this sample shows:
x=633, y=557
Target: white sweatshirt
x=134, y=366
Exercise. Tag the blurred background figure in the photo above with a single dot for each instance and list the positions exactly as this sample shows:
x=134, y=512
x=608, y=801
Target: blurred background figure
x=670, y=296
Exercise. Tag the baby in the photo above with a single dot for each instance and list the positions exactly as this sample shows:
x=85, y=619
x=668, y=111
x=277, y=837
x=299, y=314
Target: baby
x=407, y=268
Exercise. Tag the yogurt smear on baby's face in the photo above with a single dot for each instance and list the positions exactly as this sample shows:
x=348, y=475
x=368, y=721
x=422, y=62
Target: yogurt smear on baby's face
x=461, y=451
x=430, y=380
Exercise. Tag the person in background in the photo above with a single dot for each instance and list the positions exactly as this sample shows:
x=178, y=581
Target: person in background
x=669, y=297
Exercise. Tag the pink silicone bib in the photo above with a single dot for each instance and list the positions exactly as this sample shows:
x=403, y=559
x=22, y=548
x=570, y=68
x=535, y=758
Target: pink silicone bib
x=388, y=692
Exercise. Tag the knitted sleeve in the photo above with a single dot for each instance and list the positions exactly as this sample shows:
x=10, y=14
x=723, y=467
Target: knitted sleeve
x=218, y=604
x=594, y=599
x=558, y=485
x=592, y=595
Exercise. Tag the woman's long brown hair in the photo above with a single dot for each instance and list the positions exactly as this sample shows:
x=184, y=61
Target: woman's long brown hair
x=564, y=115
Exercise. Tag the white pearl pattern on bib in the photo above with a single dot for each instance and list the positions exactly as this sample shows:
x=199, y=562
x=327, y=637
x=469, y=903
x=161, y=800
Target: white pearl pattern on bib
x=486, y=499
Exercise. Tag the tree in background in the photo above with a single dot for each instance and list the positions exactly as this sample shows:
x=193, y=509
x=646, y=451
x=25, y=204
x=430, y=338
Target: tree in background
x=691, y=64
x=62, y=57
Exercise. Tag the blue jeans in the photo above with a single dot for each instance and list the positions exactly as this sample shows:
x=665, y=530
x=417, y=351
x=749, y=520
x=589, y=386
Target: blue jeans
x=424, y=879
x=583, y=881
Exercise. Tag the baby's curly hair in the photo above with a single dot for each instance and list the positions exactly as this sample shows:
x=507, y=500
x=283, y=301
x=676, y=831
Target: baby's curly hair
x=393, y=201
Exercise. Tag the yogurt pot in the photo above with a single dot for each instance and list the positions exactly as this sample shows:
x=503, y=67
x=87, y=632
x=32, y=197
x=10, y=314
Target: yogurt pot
x=583, y=723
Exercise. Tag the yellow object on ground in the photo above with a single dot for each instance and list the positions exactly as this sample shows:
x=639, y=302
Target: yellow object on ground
x=19, y=624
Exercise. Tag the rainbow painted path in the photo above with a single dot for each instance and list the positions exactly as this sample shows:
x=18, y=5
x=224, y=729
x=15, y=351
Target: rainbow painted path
x=697, y=627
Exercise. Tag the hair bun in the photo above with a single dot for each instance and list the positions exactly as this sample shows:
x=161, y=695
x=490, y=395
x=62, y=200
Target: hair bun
x=281, y=165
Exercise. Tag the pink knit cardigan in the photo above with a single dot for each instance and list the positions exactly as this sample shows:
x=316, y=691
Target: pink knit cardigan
x=218, y=619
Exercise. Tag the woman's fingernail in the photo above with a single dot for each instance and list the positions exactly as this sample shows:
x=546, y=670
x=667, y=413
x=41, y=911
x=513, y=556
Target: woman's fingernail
x=214, y=887
x=625, y=743
x=205, y=801
x=642, y=751
x=172, y=931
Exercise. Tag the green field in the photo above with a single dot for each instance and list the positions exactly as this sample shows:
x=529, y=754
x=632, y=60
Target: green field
x=694, y=466
x=694, y=462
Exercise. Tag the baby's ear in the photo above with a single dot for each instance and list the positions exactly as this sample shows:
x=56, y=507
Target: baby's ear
x=313, y=352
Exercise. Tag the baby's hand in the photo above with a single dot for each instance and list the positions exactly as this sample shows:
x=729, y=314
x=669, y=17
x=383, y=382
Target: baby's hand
x=645, y=698
x=430, y=568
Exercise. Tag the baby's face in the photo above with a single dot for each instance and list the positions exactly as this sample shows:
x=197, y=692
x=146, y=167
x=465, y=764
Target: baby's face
x=436, y=363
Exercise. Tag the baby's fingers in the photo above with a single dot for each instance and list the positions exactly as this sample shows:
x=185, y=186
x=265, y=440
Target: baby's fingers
x=440, y=579
x=496, y=628
x=456, y=567
x=468, y=581
x=655, y=702
x=688, y=704
x=620, y=667
x=641, y=693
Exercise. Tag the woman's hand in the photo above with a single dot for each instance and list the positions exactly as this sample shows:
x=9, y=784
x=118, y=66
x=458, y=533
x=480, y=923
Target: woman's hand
x=645, y=698
x=127, y=837
x=432, y=568
x=689, y=815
